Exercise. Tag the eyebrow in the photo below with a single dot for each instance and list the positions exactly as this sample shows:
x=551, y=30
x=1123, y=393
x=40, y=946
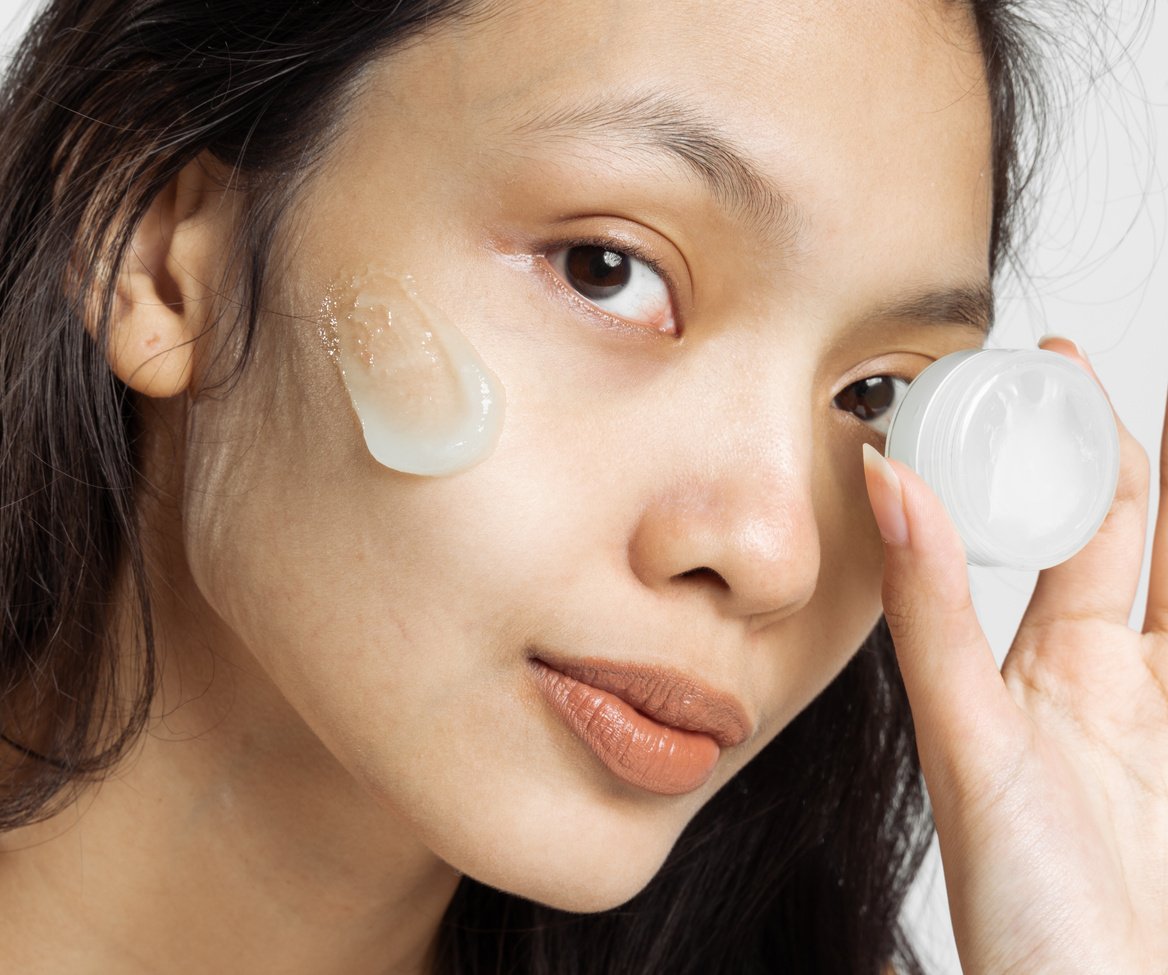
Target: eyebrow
x=658, y=123
x=967, y=305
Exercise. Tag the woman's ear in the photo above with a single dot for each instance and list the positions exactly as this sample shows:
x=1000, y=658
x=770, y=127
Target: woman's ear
x=164, y=286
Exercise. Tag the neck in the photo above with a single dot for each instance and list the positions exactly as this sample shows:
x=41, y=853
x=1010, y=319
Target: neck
x=229, y=840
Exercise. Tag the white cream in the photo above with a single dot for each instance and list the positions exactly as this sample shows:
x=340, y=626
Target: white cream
x=426, y=402
x=1039, y=473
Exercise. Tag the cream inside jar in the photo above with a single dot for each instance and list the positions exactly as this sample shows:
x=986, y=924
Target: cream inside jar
x=426, y=402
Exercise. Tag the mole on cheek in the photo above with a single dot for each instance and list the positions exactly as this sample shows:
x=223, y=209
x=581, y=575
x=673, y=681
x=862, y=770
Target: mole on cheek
x=426, y=402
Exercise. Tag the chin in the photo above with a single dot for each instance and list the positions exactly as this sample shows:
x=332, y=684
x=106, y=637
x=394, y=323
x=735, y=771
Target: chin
x=582, y=898
x=595, y=864
x=575, y=893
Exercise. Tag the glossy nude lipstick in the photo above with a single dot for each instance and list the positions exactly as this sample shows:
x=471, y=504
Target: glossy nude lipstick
x=652, y=727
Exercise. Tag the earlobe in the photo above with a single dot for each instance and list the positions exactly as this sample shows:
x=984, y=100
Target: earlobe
x=162, y=289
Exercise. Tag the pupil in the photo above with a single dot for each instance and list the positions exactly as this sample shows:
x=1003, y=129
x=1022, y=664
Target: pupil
x=597, y=272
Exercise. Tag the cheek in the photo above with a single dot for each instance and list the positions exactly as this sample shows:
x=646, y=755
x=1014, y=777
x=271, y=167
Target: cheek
x=853, y=552
x=318, y=472
x=847, y=600
x=346, y=578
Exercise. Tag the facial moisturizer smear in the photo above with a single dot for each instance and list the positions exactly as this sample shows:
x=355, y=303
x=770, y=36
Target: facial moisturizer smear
x=427, y=403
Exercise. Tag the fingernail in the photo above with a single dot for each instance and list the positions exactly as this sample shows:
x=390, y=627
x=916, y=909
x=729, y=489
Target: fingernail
x=886, y=497
x=1050, y=337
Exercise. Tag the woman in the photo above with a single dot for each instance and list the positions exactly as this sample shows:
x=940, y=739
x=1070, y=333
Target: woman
x=587, y=696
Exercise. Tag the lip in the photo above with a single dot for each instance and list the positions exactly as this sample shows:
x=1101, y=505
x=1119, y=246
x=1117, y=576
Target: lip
x=653, y=727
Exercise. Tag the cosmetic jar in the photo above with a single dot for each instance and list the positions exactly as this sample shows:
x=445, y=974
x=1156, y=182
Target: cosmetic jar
x=1019, y=445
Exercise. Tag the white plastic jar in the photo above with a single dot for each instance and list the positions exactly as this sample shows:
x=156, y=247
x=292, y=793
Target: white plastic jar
x=1019, y=445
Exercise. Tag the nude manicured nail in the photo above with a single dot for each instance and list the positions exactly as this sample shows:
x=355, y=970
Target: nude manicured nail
x=885, y=495
x=1050, y=337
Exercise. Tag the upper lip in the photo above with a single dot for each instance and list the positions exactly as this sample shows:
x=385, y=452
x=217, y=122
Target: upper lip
x=663, y=694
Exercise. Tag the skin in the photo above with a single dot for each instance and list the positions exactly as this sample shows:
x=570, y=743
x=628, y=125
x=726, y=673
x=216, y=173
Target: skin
x=347, y=719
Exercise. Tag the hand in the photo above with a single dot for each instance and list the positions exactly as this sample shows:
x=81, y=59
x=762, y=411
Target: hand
x=1049, y=780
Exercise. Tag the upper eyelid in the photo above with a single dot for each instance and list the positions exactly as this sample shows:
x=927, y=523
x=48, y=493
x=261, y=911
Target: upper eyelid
x=900, y=372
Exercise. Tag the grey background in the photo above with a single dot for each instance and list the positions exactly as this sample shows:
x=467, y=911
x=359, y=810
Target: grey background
x=1099, y=276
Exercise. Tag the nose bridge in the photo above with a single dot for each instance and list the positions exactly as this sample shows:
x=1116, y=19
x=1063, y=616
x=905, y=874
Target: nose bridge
x=738, y=523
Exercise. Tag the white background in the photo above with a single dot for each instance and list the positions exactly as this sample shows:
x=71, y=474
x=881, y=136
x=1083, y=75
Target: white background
x=1099, y=276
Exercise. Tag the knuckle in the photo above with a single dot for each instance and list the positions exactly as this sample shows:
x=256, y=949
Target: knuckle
x=1135, y=472
x=914, y=612
x=900, y=610
x=1139, y=463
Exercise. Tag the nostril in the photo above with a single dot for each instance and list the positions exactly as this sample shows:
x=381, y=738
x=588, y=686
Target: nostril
x=705, y=574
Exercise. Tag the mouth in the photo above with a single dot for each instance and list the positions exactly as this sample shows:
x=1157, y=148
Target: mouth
x=650, y=726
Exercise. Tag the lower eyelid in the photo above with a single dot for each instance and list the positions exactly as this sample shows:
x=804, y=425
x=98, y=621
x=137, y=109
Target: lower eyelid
x=566, y=291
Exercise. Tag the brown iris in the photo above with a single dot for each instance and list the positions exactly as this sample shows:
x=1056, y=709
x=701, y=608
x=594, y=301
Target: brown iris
x=597, y=272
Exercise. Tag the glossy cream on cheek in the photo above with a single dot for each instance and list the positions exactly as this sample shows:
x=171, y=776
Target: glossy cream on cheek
x=427, y=403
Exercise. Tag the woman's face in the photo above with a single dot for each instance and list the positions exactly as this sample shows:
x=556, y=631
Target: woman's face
x=802, y=192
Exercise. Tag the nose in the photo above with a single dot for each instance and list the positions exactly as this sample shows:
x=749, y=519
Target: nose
x=749, y=541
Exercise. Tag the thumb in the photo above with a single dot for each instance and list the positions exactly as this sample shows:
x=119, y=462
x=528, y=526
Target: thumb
x=961, y=708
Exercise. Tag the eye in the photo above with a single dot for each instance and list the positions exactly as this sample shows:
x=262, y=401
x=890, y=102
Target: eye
x=617, y=282
x=873, y=400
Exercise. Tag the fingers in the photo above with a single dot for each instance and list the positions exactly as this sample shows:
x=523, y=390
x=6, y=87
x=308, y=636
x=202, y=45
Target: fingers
x=1156, y=616
x=958, y=699
x=1101, y=580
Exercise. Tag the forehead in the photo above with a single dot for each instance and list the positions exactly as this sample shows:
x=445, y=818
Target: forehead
x=867, y=115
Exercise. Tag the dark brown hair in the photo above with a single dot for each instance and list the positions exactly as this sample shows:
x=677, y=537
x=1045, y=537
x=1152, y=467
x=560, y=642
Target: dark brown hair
x=800, y=864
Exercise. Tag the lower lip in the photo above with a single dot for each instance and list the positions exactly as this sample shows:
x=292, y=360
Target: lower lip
x=637, y=749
